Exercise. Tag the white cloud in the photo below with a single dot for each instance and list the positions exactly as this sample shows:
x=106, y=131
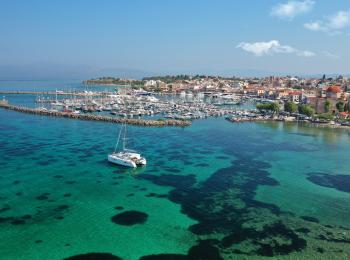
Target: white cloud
x=305, y=53
x=331, y=24
x=291, y=9
x=314, y=26
x=330, y=55
x=272, y=47
x=340, y=20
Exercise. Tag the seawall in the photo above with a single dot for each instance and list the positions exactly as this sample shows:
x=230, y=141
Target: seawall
x=89, y=117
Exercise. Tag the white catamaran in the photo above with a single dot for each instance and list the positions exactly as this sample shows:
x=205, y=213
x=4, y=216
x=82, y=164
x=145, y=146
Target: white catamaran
x=126, y=157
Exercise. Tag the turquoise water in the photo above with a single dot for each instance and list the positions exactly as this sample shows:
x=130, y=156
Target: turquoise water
x=218, y=189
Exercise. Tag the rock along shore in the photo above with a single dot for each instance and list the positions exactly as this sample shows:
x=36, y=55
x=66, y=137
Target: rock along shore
x=89, y=117
x=304, y=122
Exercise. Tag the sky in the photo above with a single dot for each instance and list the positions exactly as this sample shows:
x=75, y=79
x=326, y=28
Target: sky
x=91, y=38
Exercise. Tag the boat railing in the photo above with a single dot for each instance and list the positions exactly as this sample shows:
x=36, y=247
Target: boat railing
x=130, y=151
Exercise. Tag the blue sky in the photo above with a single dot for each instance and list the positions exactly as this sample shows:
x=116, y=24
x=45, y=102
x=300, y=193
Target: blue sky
x=162, y=36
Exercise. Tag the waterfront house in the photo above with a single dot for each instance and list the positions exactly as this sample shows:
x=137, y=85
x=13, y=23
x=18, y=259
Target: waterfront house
x=344, y=115
x=295, y=96
x=281, y=93
x=334, y=92
x=260, y=92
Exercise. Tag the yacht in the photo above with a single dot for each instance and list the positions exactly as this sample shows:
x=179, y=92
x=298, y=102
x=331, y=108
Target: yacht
x=126, y=157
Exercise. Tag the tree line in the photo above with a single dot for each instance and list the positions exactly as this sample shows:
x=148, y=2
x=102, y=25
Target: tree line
x=290, y=107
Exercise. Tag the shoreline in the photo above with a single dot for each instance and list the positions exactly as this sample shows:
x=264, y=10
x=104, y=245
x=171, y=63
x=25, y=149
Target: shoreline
x=303, y=122
x=89, y=117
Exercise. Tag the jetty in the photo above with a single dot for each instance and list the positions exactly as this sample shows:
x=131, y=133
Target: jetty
x=54, y=93
x=89, y=117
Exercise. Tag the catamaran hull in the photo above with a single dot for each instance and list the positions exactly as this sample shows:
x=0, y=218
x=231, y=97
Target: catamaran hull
x=126, y=163
x=141, y=162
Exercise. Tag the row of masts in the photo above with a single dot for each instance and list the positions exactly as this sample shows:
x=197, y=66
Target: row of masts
x=131, y=103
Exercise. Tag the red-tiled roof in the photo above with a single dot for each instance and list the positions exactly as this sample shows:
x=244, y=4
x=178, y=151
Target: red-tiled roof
x=334, y=89
x=344, y=114
x=295, y=93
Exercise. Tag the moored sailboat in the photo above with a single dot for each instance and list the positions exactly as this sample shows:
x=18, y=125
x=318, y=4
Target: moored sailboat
x=126, y=157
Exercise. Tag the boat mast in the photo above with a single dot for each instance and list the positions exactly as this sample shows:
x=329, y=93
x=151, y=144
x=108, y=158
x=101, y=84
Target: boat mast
x=124, y=139
x=120, y=133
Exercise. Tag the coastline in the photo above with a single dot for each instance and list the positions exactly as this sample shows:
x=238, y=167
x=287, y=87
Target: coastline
x=303, y=122
x=103, y=84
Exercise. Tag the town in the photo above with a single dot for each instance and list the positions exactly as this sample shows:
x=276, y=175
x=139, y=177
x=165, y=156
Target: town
x=321, y=100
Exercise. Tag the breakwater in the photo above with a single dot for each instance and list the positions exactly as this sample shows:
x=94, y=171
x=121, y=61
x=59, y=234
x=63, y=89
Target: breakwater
x=89, y=117
x=51, y=93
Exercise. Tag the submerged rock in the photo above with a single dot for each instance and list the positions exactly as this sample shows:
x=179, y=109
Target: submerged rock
x=204, y=250
x=339, y=182
x=43, y=196
x=129, y=218
x=94, y=256
x=164, y=257
x=310, y=219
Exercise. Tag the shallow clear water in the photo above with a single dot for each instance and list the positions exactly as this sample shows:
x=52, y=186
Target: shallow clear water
x=245, y=190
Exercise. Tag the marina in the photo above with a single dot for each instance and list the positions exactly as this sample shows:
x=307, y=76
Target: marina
x=89, y=117
x=136, y=104
x=139, y=107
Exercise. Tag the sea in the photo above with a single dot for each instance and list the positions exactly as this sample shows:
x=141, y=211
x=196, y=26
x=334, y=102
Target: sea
x=213, y=190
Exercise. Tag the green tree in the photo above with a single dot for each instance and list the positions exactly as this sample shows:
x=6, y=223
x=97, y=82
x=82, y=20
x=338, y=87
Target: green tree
x=306, y=110
x=273, y=107
x=327, y=106
x=261, y=107
x=340, y=106
x=325, y=116
x=290, y=107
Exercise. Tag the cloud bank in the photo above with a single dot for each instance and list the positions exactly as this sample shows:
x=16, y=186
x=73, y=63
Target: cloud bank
x=272, y=47
x=290, y=9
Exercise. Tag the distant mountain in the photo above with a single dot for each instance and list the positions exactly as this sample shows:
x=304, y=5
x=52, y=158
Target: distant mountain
x=83, y=72
x=259, y=73
x=58, y=71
